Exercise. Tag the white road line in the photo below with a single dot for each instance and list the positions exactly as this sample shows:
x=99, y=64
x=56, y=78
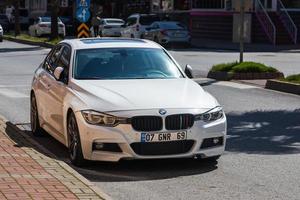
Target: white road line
x=12, y=94
x=235, y=85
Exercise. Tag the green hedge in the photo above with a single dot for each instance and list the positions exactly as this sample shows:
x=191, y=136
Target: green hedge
x=244, y=67
x=293, y=79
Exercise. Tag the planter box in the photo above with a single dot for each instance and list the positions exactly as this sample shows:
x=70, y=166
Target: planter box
x=226, y=76
x=283, y=86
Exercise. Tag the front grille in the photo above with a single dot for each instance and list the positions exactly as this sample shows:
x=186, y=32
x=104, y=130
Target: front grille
x=162, y=148
x=147, y=123
x=179, y=122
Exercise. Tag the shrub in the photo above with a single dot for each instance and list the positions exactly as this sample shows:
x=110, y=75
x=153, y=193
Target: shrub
x=223, y=67
x=252, y=67
x=242, y=67
x=293, y=78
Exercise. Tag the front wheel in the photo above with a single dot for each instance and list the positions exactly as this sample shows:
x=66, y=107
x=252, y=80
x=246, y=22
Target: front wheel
x=75, y=150
x=36, y=129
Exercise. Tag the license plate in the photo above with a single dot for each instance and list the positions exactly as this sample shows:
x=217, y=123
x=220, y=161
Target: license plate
x=163, y=137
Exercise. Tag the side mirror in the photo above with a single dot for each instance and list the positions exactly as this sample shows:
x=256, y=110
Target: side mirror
x=189, y=71
x=57, y=72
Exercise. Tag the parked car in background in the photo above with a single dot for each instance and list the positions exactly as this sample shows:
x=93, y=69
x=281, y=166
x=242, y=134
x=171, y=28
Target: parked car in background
x=1, y=33
x=111, y=27
x=4, y=22
x=69, y=25
x=137, y=23
x=165, y=32
x=42, y=26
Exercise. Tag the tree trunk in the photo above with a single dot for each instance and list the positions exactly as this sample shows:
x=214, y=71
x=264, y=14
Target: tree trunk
x=54, y=16
x=17, y=17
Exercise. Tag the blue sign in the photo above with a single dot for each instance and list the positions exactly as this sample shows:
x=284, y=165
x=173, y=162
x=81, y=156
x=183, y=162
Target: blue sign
x=83, y=3
x=82, y=11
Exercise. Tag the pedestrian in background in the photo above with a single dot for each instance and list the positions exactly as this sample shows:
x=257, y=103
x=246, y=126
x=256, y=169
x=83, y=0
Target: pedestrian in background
x=96, y=23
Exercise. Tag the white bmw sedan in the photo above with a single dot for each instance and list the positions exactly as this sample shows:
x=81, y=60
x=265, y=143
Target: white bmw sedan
x=111, y=99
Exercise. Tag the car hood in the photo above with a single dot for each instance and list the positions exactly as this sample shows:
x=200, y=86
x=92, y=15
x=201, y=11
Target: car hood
x=118, y=95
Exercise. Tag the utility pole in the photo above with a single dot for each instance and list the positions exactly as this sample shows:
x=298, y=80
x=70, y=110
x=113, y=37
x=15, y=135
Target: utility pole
x=242, y=19
x=17, y=27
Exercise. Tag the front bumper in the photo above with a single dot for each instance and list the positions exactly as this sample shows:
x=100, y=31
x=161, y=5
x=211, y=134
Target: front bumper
x=125, y=136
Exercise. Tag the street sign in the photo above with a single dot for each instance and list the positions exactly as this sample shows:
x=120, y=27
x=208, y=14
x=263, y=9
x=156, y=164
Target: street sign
x=83, y=10
x=83, y=31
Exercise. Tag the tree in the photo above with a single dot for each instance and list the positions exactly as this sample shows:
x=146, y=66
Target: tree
x=242, y=21
x=54, y=16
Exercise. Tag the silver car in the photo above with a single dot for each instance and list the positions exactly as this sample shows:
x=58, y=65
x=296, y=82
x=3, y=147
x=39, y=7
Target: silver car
x=1, y=33
x=165, y=32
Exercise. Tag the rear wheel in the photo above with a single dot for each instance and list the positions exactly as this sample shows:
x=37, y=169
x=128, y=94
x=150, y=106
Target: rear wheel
x=34, y=118
x=75, y=150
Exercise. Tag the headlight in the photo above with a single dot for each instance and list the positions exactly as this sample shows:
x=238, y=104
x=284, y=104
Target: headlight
x=211, y=115
x=101, y=119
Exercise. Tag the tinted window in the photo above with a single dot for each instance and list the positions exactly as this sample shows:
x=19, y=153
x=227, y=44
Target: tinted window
x=148, y=19
x=52, y=59
x=172, y=25
x=48, y=19
x=114, y=21
x=64, y=61
x=131, y=21
x=124, y=63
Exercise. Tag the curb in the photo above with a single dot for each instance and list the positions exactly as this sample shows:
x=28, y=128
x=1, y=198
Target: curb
x=65, y=166
x=282, y=86
x=41, y=44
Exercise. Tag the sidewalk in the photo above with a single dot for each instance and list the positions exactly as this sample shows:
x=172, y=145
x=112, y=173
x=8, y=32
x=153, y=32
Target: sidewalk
x=27, y=173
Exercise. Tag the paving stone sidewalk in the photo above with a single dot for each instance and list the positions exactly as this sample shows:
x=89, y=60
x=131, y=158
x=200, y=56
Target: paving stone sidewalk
x=27, y=173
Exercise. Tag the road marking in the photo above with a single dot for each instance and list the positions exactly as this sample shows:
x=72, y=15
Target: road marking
x=234, y=85
x=12, y=94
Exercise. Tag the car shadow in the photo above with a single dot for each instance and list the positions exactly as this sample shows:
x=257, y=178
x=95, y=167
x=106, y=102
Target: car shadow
x=264, y=132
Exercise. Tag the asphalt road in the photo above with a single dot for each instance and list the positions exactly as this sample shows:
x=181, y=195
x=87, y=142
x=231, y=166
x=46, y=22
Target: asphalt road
x=262, y=156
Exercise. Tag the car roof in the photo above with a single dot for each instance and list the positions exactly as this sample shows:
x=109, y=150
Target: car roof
x=90, y=43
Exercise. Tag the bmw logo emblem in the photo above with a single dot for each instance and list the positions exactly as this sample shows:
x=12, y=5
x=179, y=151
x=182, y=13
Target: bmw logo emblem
x=162, y=111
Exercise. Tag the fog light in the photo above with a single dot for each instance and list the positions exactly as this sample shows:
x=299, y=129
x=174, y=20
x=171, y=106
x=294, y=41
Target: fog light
x=112, y=147
x=216, y=140
x=212, y=142
x=98, y=146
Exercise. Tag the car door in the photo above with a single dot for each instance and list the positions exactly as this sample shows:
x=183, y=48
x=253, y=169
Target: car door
x=58, y=91
x=46, y=81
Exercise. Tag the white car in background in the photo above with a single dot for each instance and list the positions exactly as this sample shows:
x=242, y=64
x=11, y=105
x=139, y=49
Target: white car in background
x=111, y=27
x=42, y=26
x=1, y=33
x=111, y=99
x=136, y=24
x=166, y=32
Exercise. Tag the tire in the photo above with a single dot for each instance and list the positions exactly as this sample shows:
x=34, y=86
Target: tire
x=1, y=39
x=36, y=129
x=132, y=36
x=75, y=150
x=156, y=40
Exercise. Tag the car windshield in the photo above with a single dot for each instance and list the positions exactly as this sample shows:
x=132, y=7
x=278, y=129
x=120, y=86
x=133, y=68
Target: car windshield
x=48, y=19
x=124, y=63
x=148, y=19
x=114, y=21
x=172, y=25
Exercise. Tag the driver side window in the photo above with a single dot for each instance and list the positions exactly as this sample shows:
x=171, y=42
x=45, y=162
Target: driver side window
x=52, y=59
